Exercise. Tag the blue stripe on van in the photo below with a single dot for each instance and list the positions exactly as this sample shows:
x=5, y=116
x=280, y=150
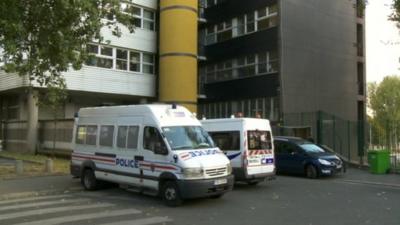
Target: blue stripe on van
x=230, y=157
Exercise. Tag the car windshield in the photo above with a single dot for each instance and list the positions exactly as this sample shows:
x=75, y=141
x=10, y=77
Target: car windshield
x=311, y=148
x=187, y=137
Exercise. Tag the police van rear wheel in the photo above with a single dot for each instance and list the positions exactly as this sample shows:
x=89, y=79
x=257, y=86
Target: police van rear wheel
x=171, y=195
x=88, y=180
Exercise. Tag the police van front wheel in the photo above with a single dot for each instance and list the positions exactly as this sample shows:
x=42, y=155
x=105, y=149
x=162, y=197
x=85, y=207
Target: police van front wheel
x=170, y=194
x=88, y=180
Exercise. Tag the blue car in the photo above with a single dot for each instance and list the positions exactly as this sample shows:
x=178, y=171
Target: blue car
x=298, y=156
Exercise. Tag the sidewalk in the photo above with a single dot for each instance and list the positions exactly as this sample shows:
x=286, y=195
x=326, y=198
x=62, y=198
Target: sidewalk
x=34, y=186
x=363, y=176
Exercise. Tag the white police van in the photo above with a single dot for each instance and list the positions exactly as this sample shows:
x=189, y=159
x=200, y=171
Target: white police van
x=248, y=144
x=155, y=149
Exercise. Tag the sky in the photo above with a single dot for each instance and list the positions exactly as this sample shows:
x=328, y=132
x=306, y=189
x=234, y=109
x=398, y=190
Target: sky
x=382, y=41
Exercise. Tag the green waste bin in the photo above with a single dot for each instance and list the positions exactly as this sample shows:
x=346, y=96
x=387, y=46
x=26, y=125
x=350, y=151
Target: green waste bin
x=379, y=161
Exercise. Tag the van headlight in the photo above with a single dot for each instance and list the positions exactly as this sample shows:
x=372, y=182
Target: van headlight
x=229, y=168
x=193, y=172
x=324, y=162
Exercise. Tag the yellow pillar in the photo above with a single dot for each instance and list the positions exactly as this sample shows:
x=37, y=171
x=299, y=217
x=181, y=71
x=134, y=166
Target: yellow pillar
x=178, y=52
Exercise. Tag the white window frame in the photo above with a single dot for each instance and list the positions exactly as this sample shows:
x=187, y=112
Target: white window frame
x=114, y=59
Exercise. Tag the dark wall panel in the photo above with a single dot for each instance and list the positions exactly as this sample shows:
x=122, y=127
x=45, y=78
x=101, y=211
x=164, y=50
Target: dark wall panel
x=252, y=87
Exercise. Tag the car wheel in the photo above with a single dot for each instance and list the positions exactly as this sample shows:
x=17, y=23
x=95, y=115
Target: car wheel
x=88, y=180
x=311, y=172
x=171, y=195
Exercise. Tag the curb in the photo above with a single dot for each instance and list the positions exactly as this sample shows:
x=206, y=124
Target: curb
x=39, y=193
x=18, y=177
x=372, y=183
x=28, y=161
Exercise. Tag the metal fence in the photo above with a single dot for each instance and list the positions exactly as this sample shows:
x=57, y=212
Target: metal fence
x=346, y=138
x=13, y=135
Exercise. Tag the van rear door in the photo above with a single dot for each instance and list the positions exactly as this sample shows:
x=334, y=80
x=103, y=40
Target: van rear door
x=260, y=156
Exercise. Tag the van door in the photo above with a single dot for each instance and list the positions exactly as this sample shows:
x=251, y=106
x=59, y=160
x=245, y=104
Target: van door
x=288, y=159
x=155, y=156
x=127, y=149
x=260, y=156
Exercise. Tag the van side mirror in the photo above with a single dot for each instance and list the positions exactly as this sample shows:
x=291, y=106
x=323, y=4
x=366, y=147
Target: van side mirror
x=161, y=150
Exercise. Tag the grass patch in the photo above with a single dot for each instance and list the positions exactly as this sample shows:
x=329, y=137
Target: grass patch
x=60, y=165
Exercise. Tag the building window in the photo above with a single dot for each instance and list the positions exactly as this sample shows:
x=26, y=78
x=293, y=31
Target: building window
x=224, y=31
x=210, y=3
x=142, y=18
x=120, y=59
x=257, y=107
x=245, y=66
x=148, y=63
x=254, y=21
x=134, y=61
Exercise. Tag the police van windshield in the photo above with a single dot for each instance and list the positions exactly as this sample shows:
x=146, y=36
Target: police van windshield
x=259, y=140
x=187, y=137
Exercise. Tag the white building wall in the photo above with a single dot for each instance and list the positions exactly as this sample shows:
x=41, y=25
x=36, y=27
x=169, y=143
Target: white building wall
x=110, y=81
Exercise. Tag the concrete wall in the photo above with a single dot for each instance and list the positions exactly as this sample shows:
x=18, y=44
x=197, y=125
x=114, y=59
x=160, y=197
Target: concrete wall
x=319, y=57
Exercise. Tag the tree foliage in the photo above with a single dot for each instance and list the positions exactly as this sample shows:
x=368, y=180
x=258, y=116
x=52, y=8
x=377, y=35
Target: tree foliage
x=42, y=38
x=396, y=11
x=384, y=101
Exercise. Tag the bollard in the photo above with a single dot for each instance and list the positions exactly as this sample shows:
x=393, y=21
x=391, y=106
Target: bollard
x=49, y=166
x=19, y=167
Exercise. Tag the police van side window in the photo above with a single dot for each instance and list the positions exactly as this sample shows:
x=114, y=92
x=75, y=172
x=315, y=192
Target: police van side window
x=226, y=140
x=152, y=139
x=127, y=137
x=91, y=135
x=106, y=136
x=133, y=133
x=80, y=135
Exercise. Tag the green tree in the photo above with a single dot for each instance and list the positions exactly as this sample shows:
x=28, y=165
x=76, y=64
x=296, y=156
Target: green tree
x=396, y=11
x=384, y=101
x=42, y=38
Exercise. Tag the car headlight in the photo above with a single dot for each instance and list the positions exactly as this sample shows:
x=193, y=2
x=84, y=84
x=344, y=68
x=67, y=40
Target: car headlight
x=229, y=168
x=193, y=172
x=324, y=162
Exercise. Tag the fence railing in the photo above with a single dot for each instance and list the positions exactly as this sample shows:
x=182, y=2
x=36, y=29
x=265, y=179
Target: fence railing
x=346, y=138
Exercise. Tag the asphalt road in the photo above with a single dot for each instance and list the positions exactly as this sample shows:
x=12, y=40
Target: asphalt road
x=287, y=200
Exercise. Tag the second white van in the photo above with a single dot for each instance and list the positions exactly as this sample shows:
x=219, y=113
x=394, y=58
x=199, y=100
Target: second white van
x=248, y=143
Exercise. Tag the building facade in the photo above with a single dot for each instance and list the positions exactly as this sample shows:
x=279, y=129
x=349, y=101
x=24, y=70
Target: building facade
x=276, y=59
x=293, y=62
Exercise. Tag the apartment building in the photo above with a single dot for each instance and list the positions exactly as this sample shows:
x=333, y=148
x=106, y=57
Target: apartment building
x=294, y=62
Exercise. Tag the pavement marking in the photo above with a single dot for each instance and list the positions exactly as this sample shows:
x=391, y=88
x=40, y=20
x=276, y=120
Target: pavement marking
x=147, y=221
x=37, y=204
x=52, y=210
x=31, y=199
x=76, y=218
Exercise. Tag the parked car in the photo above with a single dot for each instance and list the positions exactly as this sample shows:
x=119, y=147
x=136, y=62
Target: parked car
x=298, y=156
